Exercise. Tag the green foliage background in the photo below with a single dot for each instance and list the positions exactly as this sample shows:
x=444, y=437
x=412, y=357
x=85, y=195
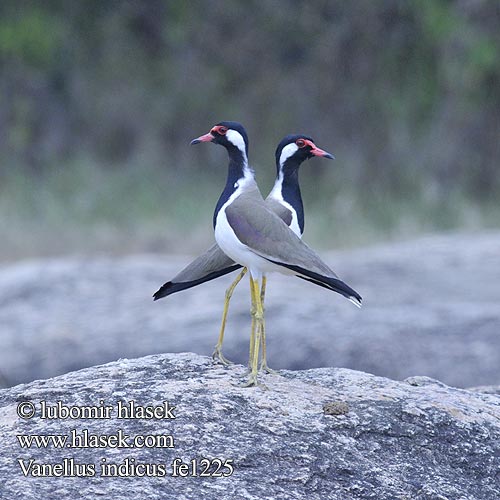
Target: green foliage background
x=99, y=100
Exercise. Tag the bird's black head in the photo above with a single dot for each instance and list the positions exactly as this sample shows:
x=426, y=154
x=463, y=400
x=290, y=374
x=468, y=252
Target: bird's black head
x=227, y=134
x=298, y=147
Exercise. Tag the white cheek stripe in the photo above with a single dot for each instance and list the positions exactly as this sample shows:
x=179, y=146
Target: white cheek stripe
x=237, y=140
x=287, y=151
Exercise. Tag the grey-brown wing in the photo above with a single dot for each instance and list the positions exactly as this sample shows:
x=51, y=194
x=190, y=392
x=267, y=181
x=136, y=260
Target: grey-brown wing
x=213, y=260
x=280, y=210
x=268, y=236
x=208, y=266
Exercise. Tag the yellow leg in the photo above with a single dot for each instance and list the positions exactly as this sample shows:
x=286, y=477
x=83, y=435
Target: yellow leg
x=263, y=290
x=263, y=362
x=252, y=330
x=217, y=354
x=258, y=318
x=252, y=340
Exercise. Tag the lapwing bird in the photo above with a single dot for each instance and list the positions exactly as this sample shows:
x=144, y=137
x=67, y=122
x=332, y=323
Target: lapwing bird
x=284, y=199
x=252, y=235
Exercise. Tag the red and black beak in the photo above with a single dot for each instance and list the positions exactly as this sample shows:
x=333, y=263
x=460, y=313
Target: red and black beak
x=320, y=152
x=315, y=151
x=203, y=138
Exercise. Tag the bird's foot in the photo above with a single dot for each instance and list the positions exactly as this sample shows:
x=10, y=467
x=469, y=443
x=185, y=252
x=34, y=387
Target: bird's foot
x=266, y=369
x=218, y=357
x=252, y=382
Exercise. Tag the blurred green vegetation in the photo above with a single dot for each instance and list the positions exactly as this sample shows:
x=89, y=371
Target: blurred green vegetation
x=99, y=100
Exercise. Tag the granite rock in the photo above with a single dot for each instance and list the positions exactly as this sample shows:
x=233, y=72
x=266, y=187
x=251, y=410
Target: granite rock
x=417, y=439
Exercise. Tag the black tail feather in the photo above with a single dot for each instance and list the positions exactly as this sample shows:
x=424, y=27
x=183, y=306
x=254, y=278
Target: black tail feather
x=172, y=287
x=333, y=284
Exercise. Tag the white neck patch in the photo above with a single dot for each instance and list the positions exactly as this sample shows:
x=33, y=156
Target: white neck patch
x=236, y=139
x=287, y=151
x=277, y=187
x=277, y=194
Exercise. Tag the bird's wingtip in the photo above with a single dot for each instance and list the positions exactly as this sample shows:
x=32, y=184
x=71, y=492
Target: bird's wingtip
x=161, y=292
x=355, y=301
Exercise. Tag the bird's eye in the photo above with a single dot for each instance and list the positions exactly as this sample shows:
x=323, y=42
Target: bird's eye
x=300, y=143
x=222, y=130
